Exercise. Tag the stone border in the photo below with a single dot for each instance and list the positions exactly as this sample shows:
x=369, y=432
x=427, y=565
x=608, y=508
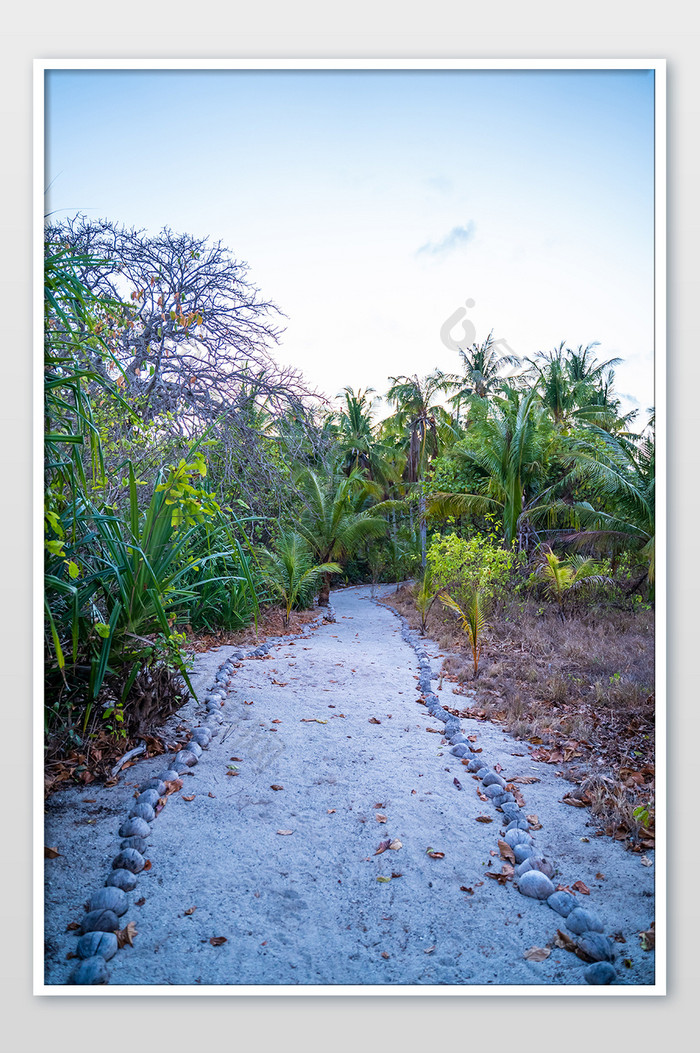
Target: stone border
x=533, y=872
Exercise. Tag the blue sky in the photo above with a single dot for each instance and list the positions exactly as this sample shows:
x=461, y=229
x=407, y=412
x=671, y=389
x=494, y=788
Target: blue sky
x=371, y=205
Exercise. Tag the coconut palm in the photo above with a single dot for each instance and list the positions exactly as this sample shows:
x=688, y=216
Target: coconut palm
x=472, y=617
x=574, y=387
x=358, y=447
x=482, y=366
x=564, y=576
x=335, y=520
x=290, y=571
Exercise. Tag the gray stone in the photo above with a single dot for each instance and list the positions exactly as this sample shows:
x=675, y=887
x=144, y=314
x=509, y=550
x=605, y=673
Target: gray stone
x=522, y=868
x=492, y=778
x=151, y=796
x=123, y=879
x=139, y=843
x=134, y=827
x=459, y=750
x=201, y=737
x=493, y=791
x=581, y=920
x=599, y=973
x=93, y=944
x=474, y=765
x=542, y=864
x=153, y=784
x=518, y=824
x=114, y=899
x=194, y=747
x=457, y=738
x=90, y=971
x=503, y=798
x=186, y=759
x=517, y=837
x=596, y=946
x=535, y=885
x=129, y=859
x=143, y=810
x=212, y=732
x=168, y=775
x=562, y=902
x=511, y=811
x=523, y=852
x=99, y=921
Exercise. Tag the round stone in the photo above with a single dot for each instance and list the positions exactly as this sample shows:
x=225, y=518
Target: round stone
x=599, y=973
x=99, y=921
x=562, y=902
x=201, y=737
x=474, y=765
x=211, y=731
x=523, y=852
x=186, y=759
x=493, y=791
x=114, y=899
x=502, y=798
x=493, y=779
x=596, y=946
x=194, y=747
x=536, y=885
x=511, y=811
x=90, y=971
x=151, y=796
x=153, y=784
x=517, y=837
x=123, y=879
x=143, y=811
x=134, y=827
x=169, y=774
x=581, y=920
x=457, y=738
x=522, y=868
x=93, y=944
x=543, y=865
x=129, y=859
x=459, y=750
x=518, y=824
x=139, y=843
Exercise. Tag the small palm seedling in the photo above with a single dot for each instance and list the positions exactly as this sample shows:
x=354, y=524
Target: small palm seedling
x=565, y=576
x=425, y=595
x=472, y=617
x=291, y=572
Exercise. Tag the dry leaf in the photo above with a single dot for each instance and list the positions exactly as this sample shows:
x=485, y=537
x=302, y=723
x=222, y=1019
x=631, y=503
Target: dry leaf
x=463, y=888
x=565, y=942
x=190, y=798
x=601, y=877
x=457, y=783
x=497, y=768
x=646, y=862
x=216, y=941
x=534, y=822
x=276, y=786
x=190, y=910
x=126, y=935
x=434, y=855
x=380, y=818
x=285, y=832
x=384, y=954
x=51, y=853
x=172, y=786
x=648, y=938
x=383, y=846
x=140, y=902
x=373, y=720
x=484, y=819
x=526, y=780
x=429, y=950
x=537, y=954
x=395, y=874
x=506, y=851
x=574, y=801
x=395, y=845
x=383, y=880
x=147, y=865
x=330, y=811
x=212, y=794
x=505, y=875
x=72, y=926
x=579, y=886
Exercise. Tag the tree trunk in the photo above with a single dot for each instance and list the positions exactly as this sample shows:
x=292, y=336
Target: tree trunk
x=324, y=594
x=423, y=530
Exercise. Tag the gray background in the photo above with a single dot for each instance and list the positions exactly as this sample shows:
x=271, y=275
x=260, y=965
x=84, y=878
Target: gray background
x=394, y=29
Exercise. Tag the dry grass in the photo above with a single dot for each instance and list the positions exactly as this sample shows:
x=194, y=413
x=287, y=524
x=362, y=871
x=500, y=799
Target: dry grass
x=582, y=690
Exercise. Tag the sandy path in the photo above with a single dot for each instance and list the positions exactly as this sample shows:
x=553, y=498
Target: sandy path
x=306, y=907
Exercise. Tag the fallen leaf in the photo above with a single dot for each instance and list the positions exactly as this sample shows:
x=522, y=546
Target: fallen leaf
x=330, y=811
x=619, y=938
x=72, y=926
x=383, y=845
x=481, y=796
x=380, y=805
x=383, y=880
x=565, y=942
x=384, y=954
x=525, y=780
x=579, y=886
x=216, y=941
x=285, y=832
x=51, y=853
x=463, y=888
x=236, y=758
x=126, y=935
x=646, y=862
x=190, y=798
x=484, y=819
x=190, y=910
x=497, y=768
x=434, y=855
x=212, y=794
x=600, y=877
x=394, y=874
x=534, y=822
x=314, y=720
x=537, y=954
x=648, y=938
x=276, y=722
x=429, y=950
x=380, y=818
x=172, y=786
x=505, y=875
x=140, y=902
x=276, y=786
x=434, y=731
x=457, y=783
x=147, y=865
x=506, y=852
x=395, y=845
x=373, y=720
x=574, y=801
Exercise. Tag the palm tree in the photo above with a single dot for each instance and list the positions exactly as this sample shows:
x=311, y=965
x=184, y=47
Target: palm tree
x=418, y=420
x=564, y=576
x=574, y=386
x=358, y=446
x=482, y=371
x=511, y=451
x=334, y=520
x=291, y=572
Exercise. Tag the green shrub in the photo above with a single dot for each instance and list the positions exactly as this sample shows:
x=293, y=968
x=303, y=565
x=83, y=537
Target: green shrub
x=462, y=565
